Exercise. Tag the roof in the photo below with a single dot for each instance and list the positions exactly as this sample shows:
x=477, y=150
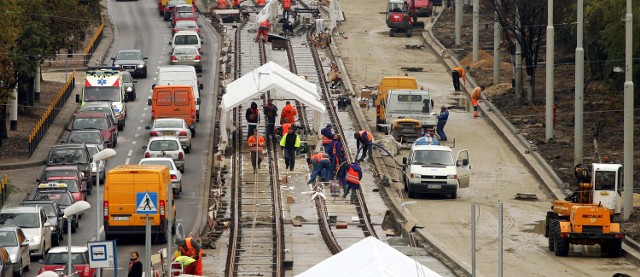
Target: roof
x=102, y=77
x=63, y=249
x=19, y=209
x=61, y=178
x=163, y=138
x=374, y=258
x=96, y=104
x=91, y=115
x=126, y=168
x=70, y=145
x=9, y=228
x=61, y=167
x=430, y=147
x=186, y=32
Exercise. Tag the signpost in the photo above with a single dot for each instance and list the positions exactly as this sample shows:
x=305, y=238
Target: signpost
x=103, y=254
x=146, y=204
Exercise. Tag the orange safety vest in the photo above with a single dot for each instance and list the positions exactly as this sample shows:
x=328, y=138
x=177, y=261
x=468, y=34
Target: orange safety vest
x=286, y=4
x=252, y=143
x=285, y=128
x=320, y=156
x=265, y=24
x=223, y=4
x=326, y=140
x=369, y=136
x=353, y=177
x=333, y=151
x=190, y=251
x=260, y=2
x=235, y=3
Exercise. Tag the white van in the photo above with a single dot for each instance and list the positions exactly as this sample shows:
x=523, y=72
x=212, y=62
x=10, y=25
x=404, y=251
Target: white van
x=181, y=75
x=187, y=38
x=432, y=169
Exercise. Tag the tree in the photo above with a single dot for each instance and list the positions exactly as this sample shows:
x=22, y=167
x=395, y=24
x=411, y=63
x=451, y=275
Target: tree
x=9, y=12
x=530, y=33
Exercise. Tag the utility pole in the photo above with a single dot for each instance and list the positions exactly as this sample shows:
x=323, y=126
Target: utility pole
x=36, y=82
x=14, y=110
x=549, y=69
x=518, y=57
x=476, y=28
x=458, y=26
x=496, y=46
x=628, y=114
x=579, y=93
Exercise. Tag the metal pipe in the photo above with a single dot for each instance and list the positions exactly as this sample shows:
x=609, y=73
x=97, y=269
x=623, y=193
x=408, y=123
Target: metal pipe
x=147, y=247
x=169, y=228
x=476, y=28
x=549, y=70
x=69, y=265
x=36, y=82
x=496, y=46
x=628, y=114
x=473, y=239
x=458, y=24
x=579, y=90
x=98, y=209
x=518, y=59
x=501, y=239
x=14, y=110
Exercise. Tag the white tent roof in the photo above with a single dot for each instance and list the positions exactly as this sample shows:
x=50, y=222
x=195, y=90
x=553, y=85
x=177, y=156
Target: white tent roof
x=271, y=76
x=369, y=257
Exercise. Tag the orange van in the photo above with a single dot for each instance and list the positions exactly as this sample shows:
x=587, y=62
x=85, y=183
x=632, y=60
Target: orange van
x=174, y=101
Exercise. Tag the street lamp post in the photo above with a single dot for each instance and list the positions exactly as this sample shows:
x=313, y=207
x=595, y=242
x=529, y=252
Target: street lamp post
x=105, y=154
x=74, y=209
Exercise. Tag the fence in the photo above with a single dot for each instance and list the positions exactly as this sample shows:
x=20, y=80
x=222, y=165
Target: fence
x=40, y=130
x=95, y=41
x=4, y=190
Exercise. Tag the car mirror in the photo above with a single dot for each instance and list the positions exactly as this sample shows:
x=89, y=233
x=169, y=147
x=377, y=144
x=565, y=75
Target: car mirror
x=113, y=59
x=62, y=142
x=77, y=98
x=148, y=102
x=144, y=147
x=147, y=127
x=199, y=26
x=404, y=160
x=25, y=243
x=146, y=58
x=153, y=86
x=135, y=82
x=170, y=42
x=38, y=180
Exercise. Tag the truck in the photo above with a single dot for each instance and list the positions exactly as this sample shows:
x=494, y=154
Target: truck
x=432, y=169
x=408, y=114
x=387, y=83
x=587, y=216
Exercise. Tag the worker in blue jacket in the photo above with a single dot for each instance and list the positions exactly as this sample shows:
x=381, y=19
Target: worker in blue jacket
x=354, y=175
x=442, y=120
x=327, y=137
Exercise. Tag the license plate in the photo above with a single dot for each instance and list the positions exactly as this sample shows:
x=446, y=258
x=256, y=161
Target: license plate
x=169, y=133
x=121, y=218
x=434, y=186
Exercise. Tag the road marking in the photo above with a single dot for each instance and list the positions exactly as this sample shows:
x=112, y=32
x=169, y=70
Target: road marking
x=133, y=142
x=130, y=152
x=139, y=128
x=146, y=108
x=136, y=135
x=144, y=114
x=126, y=161
x=141, y=120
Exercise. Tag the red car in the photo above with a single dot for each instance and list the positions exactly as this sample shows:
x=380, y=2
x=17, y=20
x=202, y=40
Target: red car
x=57, y=257
x=97, y=121
x=63, y=170
x=72, y=184
x=183, y=16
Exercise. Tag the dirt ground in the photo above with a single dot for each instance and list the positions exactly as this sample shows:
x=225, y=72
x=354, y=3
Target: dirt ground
x=603, y=105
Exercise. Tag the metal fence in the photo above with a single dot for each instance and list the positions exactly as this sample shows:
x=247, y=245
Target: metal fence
x=95, y=41
x=4, y=190
x=40, y=130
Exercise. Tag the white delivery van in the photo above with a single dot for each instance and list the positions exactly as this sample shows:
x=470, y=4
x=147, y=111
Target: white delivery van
x=181, y=75
x=432, y=169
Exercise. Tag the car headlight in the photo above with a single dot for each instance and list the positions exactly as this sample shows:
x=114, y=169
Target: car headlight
x=35, y=239
x=13, y=257
x=129, y=89
x=52, y=228
x=141, y=66
x=452, y=176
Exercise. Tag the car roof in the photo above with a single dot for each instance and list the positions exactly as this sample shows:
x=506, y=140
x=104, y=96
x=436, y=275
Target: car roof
x=130, y=50
x=53, y=191
x=63, y=249
x=9, y=228
x=97, y=104
x=19, y=209
x=164, y=138
x=186, y=32
x=61, y=167
x=85, y=131
x=44, y=202
x=69, y=145
x=185, y=46
x=91, y=115
x=430, y=147
x=62, y=178
x=187, y=21
x=168, y=119
x=156, y=159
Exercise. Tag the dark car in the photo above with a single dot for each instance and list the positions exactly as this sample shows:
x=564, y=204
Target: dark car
x=132, y=61
x=54, y=215
x=72, y=154
x=63, y=198
x=6, y=268
x=129, y=86
x=86, y=137
x=97, y=121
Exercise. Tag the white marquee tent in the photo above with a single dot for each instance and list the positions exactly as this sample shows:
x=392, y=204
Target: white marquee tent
x=369, y=258
x=270, y=76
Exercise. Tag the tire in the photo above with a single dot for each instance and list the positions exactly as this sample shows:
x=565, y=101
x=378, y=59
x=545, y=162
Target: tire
x=188, y=149
x=408, y=33
x=89, y=190
x=120, y=127
x=391, y=33
x=19, y=272
x=161, y=238
x=182, y=170
x=193, y=133
x=410, y=193
x=560, y=245
x=454, y=195
x=614, y=248
x=551, y=234
x=73, y=228
x=144, y=75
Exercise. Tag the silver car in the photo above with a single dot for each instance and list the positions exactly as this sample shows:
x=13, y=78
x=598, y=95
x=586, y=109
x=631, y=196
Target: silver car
x=15, y=242
x=104, y=107
x=187, y=25
x=165, y=147
x=187, y=55
x=172, y=127
x=176, y=176
x=33, y=222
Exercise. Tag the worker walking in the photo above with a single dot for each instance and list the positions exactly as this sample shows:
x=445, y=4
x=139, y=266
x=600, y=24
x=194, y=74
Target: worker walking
x=327, y=137
x=288, y=112
x=321, y=166
x=354, y=175
x=256, y=142
x=476, y=95
x=286, y=9
x=290, y=142
x=270, y=112
x=253, y=117
x=188, y=264
x=456, y=74
x=263, y=30
x=442, y=120
x=364, y=141
x=188, y=247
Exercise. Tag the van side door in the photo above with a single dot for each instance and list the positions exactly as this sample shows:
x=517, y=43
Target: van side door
x=463, y=168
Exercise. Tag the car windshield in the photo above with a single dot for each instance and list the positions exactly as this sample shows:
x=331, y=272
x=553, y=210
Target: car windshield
x=62, y=199
x=102, y=94
x=106, y=110
x=22, y=220
x=62, y=258
x=185, y=15
x=48, y=208
x=90, y=123
x=168, y=124
x=186, y=24
x=185, y=51
x=126, y=77
x=93, y=150
x=85, y=137
x=67, y=156
x=156, y=162
x=186, y=39
x=8, y=239
x=72, y=185
x=163, y=145
x=432, y=157
x=129, y=56
x=56, y=173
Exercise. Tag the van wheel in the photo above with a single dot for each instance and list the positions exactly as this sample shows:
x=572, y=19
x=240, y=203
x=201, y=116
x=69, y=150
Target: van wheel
x=188, y=149
x=410, y=193
x=89, y=191
x=161, y=238
x=193, y=133
x=73, y=227
x=454, y=195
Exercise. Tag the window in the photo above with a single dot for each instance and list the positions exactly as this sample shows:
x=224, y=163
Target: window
x=431, y=157
x=605, y=180
x=409, y=98
x=8, y=239
x=186, y=39
x=22, y=220
x=61, y=258
x=164, y=98
x=90, y=123
x=70, y=156
x=181, y=98
x=102, y=94
x=168, y=124
x=86, y=137
x=163, y=145
x=186, y=51
x=129, y=56
x=55, y=173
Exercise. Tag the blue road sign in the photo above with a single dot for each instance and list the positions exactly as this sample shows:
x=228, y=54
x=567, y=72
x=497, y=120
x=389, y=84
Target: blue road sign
x=146, y=202
x=103, y=254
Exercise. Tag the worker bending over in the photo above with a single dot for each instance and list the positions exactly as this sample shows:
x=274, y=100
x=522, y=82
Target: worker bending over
x=456, y=74
x=327, y=137
x=188, y=247
x=364, y=141
x=476, y=95
x=263, y=31
x=321, y=166
x=354, y=175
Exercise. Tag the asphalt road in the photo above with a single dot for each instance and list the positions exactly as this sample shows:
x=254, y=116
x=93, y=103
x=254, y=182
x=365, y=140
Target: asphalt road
x=139, y=26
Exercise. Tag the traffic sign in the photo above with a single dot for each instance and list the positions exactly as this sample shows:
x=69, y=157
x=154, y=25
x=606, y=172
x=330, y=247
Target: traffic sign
x=146, y=203
x=102, y=254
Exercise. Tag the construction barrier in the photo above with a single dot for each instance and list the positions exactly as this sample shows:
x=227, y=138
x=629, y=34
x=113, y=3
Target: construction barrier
x=4, y=189
x=42, y=126
x=95, y=41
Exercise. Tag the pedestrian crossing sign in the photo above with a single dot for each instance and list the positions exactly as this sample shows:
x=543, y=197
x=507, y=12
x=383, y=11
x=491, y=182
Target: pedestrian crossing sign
x=146, y=202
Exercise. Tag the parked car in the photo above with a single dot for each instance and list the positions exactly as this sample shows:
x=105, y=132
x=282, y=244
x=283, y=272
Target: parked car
x=34, y=224
x=6, y=268
x=97, y=169
x=186, y=25
x=65, y=183
x=172, y=127
x=54, y=215
x=180, y=16
x=129, y=86
x=165, y=147
x=93, y=137
x=187, y=55
x=104, y=107
x=72, y=154
x=176, y=176
x=57, y=259
x=132, y=61
x=15, y=242
x=64, y=199
x=97, y=121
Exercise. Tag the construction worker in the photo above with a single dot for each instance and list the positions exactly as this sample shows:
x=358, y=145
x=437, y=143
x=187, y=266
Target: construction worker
x=442, y=120
x=364, y=141
x=286, y=8
x=260, y=3
x=222, y=5
x=354, y=175
x=235, y=4
x=327, y=137
x=456, y=74
x=476, y=95
x=270, y=112
x=321, y=166
x=188, y=247
x=256, y=142
x=288, y=112
x=290, y=142
x=263, y=31
x=287, y=27
x=334, y=153
x=286, y=126
x=253, y=117
x=188, y=264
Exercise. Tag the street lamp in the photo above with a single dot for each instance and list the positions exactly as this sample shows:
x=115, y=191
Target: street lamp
x=105, y=154
x=74, y=209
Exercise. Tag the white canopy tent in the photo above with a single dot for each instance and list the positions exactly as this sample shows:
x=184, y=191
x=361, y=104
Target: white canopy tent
x=270, y=76
x=369, y=258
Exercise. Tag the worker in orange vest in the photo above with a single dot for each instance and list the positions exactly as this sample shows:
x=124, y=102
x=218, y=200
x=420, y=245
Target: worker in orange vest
x=327, y=138
x=286, y=9
x=188, y=247
x=222, y=5
x=256, y=142
x=476, y=95
x=321, y=166
x=354, y=175
x=235, y=4
x=288, y=112
x=364, y=142
x=263, y=30
x=286, y=126
x=456, y=74
x=260, y=3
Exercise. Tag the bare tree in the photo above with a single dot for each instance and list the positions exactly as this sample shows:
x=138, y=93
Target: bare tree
x=530, y=32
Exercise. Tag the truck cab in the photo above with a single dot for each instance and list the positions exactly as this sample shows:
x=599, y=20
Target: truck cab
x=387, y=83
x=104, y=84
x=607, y=188
x=432, y=169
x=408, y=114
